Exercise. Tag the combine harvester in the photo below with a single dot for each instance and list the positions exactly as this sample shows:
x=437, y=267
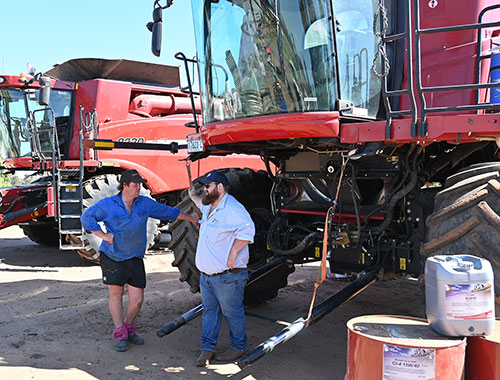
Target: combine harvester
x=381, y=119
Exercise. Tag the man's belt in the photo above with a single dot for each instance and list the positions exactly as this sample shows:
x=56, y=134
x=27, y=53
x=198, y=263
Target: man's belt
x=234, y=270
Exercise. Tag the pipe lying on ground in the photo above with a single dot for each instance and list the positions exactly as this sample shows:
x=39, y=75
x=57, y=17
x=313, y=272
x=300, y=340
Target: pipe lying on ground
x=196, y=311
x=180, y=321
x=318, y=312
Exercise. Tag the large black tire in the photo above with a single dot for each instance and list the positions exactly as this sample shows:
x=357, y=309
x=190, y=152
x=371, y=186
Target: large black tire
x=466, y=217
x=44, y=234
x=252, y=190
x=95, y=189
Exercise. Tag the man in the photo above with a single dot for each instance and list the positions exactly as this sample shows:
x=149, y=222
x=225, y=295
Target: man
x=226, y=229
x=125, y=216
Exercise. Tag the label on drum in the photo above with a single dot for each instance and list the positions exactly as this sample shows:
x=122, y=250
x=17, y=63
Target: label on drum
x=469, y=301
x=407, y=363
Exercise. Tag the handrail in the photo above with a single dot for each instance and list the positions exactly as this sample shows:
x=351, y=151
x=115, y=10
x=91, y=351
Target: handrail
x=182, y=57
x=479, y=57
x=407, y=36
x=476, y=86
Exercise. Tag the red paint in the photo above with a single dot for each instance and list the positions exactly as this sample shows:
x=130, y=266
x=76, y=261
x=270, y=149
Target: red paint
x=271, y=127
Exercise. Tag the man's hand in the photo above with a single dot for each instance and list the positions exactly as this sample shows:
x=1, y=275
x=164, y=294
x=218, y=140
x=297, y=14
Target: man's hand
x=193, y=218
x=231, y=261
x=108, y=237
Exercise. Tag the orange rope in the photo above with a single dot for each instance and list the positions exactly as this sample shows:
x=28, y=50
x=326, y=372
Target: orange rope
x=322, y=269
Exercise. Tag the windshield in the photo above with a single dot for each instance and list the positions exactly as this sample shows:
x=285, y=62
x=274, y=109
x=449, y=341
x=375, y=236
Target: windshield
x=260, y=57
x=14, y=105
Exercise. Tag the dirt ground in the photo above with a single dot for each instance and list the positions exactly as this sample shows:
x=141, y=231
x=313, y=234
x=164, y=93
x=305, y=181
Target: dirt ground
x=54, y=321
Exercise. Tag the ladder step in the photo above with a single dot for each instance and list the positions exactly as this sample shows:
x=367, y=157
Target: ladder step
x=71, y=232
x=69, y=200
x=70, y=247
x=69, y=183
x=69, y=216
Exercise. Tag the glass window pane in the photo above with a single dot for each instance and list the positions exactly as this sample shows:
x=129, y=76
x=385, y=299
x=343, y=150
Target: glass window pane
x=258, y=59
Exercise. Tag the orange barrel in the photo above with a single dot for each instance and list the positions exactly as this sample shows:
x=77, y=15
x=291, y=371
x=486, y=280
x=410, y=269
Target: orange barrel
x=482, y=358
x=387, y=347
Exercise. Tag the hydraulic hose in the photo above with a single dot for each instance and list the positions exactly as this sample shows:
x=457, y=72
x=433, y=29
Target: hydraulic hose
x=399, y=195
x=292, y=251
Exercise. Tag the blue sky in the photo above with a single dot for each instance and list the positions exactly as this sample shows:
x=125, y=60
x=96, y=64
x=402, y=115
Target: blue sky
x=53, y=31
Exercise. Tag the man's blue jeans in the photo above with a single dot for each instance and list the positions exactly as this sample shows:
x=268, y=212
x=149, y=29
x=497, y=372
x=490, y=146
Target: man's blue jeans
x=223, y=295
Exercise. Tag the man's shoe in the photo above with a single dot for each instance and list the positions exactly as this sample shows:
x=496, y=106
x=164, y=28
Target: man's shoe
x=121, y=345
x=230, y=355
x=135, y=339
x=204, y=358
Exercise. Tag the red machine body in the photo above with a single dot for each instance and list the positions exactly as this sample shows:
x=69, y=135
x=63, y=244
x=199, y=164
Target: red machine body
x=385, y=112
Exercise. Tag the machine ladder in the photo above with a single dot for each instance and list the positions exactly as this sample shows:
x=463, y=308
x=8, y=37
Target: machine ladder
x=66, y=182
x=70, y=207
x=70, y=194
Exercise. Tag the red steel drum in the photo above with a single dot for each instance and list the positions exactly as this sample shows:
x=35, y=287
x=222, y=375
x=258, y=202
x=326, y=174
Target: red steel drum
x=386, y=347
x=482, y=358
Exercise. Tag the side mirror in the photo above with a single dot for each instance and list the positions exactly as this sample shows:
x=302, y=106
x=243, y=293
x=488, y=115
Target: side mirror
x=44, y=94
x=156, y=29
x=156, y=39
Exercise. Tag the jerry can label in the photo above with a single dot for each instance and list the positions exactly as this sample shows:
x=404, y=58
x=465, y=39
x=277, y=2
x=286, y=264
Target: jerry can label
x=469, y=301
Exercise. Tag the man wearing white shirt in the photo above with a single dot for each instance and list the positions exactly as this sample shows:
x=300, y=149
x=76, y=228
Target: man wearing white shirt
x=222, y=254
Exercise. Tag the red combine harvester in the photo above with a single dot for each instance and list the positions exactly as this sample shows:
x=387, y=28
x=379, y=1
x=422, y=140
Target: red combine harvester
x=44, y=119
x=381, y=118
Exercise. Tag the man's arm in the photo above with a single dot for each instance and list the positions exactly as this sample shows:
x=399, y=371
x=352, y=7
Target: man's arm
x=238, y=245
x=195, y=197
x=190, y=218
x=162, y=211
x=90, y=219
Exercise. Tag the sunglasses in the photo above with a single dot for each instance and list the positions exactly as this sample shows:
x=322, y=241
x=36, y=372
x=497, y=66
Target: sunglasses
x=208, y=184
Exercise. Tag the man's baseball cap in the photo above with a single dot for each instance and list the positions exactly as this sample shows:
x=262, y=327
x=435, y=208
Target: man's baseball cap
x=131, y=176
x=214, y=177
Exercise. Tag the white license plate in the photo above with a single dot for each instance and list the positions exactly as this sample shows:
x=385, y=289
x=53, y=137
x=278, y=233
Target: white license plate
x=195, y=146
